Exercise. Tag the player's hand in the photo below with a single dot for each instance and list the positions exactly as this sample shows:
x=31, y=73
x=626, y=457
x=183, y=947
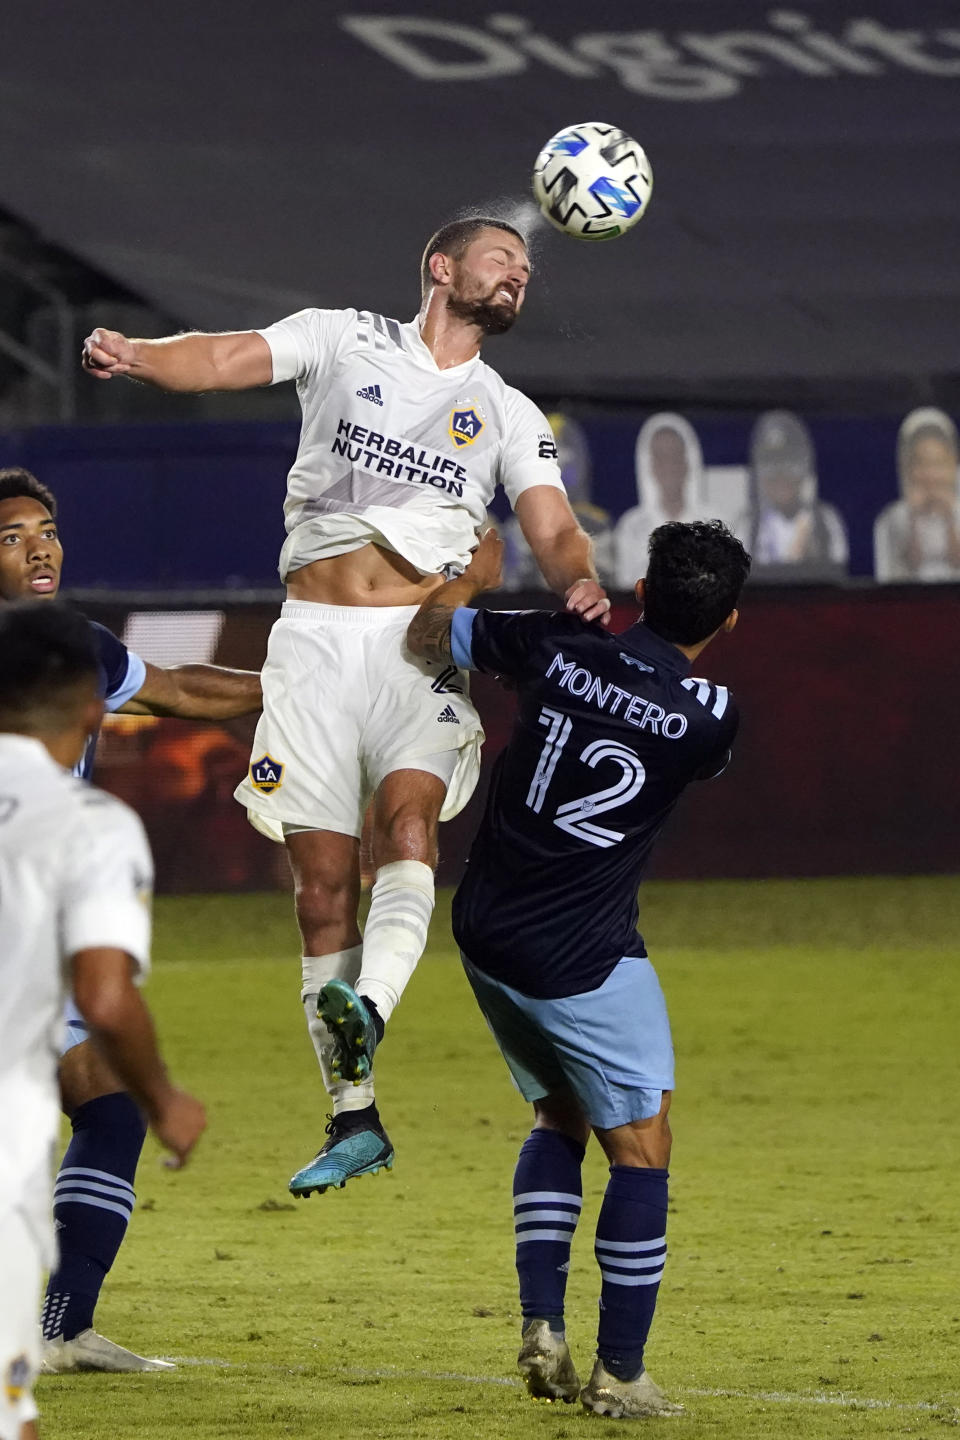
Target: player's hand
x=588, y=599
x=107, y=353
x=486, y=563
x=178, y=1126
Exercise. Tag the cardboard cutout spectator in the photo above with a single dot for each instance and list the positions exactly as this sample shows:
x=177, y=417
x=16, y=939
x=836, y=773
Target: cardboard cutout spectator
x=669, y=470
x=918, y=537
x=789, y=529
x=520, y=570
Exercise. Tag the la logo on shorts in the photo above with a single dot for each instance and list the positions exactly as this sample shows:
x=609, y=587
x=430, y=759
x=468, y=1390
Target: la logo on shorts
x=17, y=1379
x=266, y=774
x=465, y=425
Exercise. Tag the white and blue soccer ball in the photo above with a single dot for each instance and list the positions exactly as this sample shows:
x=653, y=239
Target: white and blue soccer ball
x=592, y=181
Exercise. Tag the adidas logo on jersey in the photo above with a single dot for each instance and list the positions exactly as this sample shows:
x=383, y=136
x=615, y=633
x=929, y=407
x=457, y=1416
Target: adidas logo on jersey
x=371, y=392
x=448, y=716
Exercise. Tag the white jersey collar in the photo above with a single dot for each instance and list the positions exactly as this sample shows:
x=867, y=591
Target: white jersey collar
x=422, y=352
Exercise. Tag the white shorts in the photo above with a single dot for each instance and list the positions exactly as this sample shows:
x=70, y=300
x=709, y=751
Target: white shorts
x=344, y=705
x=21, y=1274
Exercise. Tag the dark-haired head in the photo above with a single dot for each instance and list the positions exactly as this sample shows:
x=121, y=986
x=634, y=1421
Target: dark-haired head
x=453, y=238
x=477, y=270
x=16, y=483
x=49, y=678
x=693, y=582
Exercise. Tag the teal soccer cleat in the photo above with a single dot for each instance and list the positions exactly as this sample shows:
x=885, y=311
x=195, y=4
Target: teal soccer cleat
x=358, y=1145
x=350, y=1023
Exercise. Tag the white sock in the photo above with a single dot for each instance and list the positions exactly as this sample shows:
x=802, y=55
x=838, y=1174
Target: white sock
x=317, y=970
x=401, y=903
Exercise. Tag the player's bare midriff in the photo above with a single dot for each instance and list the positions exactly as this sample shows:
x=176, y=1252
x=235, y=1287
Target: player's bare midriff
x=368, y=576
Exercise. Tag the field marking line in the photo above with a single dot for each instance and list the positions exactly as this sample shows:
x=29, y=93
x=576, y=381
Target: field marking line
x=767, y=1397
x=822, y=1397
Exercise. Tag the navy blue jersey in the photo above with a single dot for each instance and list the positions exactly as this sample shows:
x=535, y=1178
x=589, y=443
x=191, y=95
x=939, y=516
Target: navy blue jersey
x=610, y=730
x=122, y=673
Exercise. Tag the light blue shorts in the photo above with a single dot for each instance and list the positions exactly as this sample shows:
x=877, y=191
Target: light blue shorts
x=610, y=1046
x=75, y=1029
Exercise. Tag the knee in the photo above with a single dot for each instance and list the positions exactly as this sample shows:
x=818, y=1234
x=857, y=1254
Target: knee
x=562, y=1112
x=644, y=1144
x=84, y=1075
x=405, y=833
x=323, y=900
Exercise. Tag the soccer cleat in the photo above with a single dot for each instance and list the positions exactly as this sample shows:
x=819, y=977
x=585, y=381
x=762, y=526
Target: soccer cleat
x=90, y=1351
x=354, y=1148
x=545, y=1364
x=350, y=1023
x=637, y=1399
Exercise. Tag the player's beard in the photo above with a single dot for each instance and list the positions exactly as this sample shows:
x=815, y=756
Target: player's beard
x=489, y=315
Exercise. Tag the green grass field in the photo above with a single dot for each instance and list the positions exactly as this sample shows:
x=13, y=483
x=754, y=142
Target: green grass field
x=813, y=1284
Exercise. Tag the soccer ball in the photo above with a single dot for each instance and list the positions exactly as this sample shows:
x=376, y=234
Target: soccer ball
x=592, y=181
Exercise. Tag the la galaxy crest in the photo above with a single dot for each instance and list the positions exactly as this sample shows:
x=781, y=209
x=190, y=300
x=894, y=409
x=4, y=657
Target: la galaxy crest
x=466, y=422
x=266, y=774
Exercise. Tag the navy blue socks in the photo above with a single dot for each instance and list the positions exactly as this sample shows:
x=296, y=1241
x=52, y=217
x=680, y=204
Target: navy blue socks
x=547, y=1197
x=631, y=1247
x=92, y=1204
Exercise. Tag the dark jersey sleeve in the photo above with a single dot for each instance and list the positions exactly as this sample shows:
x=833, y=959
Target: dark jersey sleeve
x=719, y=759
x=505, y=642
x=122, y=672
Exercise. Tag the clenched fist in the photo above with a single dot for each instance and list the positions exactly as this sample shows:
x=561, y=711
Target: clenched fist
x=107, y=353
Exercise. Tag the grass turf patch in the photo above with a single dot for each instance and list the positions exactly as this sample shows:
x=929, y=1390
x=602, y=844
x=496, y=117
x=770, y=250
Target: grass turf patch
x=812, y=1283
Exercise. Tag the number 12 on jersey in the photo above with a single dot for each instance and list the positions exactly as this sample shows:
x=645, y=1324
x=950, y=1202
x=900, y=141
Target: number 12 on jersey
x=573, y=815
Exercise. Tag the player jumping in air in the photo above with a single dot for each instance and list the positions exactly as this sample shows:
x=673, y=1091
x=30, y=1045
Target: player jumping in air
x=94, y=1195
x=75, y=879
x=406, y=434
x=611, y=729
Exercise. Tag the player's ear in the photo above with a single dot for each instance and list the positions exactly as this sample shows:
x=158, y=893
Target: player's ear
x=441, y=268
x=731, y=622
x=640, y=591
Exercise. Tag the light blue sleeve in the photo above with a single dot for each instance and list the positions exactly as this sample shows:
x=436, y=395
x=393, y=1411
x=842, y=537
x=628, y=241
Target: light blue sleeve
x=461, y=637
x=132, y=682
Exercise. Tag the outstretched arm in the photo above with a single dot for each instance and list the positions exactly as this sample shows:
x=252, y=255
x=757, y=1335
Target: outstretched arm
x=428, y=634
x=196, y=692
x=240, y=360
x=563, y=550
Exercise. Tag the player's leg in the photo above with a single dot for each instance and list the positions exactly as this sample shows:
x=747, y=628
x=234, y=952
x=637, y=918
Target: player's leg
x=420, y=751
x=92, y=1204
x=21, y=1267
x=615, y=1049
x=547, y=1186
x=326, y=875
x=406, y=813
x=547, y=1199
x=631, y=1248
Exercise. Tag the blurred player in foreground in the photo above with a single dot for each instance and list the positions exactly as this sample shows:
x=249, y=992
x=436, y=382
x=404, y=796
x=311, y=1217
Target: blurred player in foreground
x=75, y=880
x=94, y=1195
x=611, y=729
x=406, y=434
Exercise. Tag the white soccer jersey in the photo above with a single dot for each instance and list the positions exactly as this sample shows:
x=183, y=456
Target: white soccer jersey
x=75, y=873
x=394, y=450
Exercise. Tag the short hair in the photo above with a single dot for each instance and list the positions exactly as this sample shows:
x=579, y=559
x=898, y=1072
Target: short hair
x=694, y=579
x=453, y=238
x=47, y=650
x=17, y=482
